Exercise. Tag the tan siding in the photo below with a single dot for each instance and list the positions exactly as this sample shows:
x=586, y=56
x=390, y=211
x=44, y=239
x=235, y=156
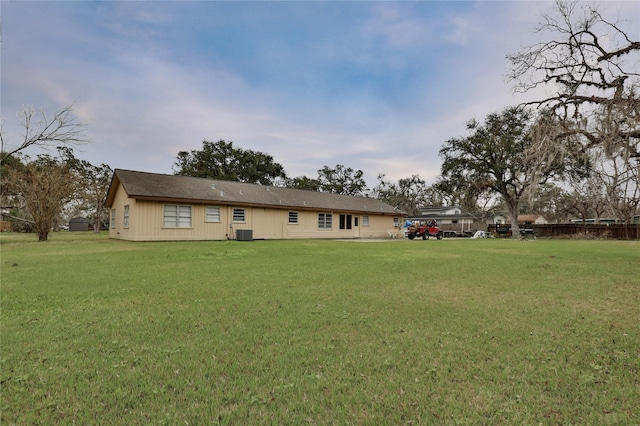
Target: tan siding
x=269, y=224
x=152, y=218
x=379, y=227
x=119, y=231
x=146, y=223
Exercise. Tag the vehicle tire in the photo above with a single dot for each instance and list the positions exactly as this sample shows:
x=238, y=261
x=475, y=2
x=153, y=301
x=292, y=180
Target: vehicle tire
x=411, y=236
x=425, y=236
x=439, y=236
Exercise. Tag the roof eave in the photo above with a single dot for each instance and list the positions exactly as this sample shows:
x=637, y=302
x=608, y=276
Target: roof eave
x=250, y=204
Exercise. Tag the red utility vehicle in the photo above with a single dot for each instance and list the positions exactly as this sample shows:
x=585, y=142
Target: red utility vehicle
x=429, y=229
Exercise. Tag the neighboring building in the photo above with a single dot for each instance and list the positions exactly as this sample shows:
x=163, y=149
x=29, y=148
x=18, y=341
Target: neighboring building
x=450, y=218
x=532, y=219
x=440, y=211
x=156, y=207
x=523, y=219
x=601, y=221
x=79, y=224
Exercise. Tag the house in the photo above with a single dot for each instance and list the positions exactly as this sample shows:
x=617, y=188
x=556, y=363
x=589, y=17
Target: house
x=523, y=219
x=440, y=211
x=157, y=207
x=450, y=218
x=531, y=219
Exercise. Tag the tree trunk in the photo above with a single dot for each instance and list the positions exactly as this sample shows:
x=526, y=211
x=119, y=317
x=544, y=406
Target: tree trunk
x=96, y=222
x=43, y=236
x=513, y=215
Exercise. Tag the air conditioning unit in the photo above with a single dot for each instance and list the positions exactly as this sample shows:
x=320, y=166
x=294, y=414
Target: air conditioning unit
x=244, y=234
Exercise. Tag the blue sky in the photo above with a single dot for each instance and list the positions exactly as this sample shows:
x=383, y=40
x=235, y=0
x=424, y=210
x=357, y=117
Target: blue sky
x=376, y=86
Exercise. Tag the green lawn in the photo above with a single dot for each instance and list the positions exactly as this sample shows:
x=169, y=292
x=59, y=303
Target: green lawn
x=99, y=331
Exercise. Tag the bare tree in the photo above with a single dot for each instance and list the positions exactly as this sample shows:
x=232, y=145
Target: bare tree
x=45, y=185
x=45, y=130
x=587, y=200
x=590, y=63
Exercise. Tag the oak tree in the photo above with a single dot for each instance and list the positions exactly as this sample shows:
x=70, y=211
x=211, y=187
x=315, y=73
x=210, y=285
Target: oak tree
x=493, y=159
x=303, y=182
x=342, y=180
x=221, y=160
x=92, y=185
x=408, y=194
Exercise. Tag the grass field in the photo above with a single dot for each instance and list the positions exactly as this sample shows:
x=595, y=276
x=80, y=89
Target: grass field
x=99, y=331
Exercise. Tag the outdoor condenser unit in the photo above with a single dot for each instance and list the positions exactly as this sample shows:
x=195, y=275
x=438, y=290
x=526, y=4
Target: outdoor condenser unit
x=244, y=234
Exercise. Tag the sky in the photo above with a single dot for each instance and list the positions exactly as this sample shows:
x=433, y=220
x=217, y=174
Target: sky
x=376, y=86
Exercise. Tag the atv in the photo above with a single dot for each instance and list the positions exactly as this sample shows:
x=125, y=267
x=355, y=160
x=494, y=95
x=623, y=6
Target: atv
x=430, y=229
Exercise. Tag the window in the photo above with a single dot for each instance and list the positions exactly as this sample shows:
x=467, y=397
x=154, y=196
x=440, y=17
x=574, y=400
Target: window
x=365, y=220
x=213, y=214
x=325, y=220
x=293, y=218
x=177, y=216
x=125, y=217
x=238, y=215
x=113, y=218
x=396, y=221
x=345, y=221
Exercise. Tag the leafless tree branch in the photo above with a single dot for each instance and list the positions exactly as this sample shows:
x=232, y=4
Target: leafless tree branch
x=45, y=130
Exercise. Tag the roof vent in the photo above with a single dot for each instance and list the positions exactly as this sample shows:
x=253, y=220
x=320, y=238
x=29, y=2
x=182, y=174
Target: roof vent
x=221, y=194
x=241, y=192
x=213, y=186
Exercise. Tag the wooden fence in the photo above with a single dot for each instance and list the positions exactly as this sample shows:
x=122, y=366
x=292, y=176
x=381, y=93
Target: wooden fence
x=612, y=231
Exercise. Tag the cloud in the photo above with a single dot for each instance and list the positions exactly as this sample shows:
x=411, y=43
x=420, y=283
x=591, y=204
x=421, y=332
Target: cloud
x=373, y=86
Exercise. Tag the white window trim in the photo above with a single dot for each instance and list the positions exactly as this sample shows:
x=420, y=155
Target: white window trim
x=297, y=219
x=178, y=216
x=322, y=224
x=113, y=218
x=206, y=214
x=244, y=215
x=365, y=220
x=125, y=217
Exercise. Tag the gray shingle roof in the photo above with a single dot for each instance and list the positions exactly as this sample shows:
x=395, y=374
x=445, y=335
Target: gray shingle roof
x=172, y=188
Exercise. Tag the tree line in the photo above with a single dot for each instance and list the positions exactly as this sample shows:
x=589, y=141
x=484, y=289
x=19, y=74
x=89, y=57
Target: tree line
x=573, y=153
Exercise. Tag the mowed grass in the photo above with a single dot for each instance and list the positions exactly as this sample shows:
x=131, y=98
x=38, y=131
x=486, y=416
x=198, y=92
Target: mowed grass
x=99, y=331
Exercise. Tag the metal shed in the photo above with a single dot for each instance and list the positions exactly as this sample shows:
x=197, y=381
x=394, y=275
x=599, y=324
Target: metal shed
x=79, y=224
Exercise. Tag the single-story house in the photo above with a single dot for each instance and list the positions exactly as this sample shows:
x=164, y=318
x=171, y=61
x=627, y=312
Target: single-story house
x=158, y=207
